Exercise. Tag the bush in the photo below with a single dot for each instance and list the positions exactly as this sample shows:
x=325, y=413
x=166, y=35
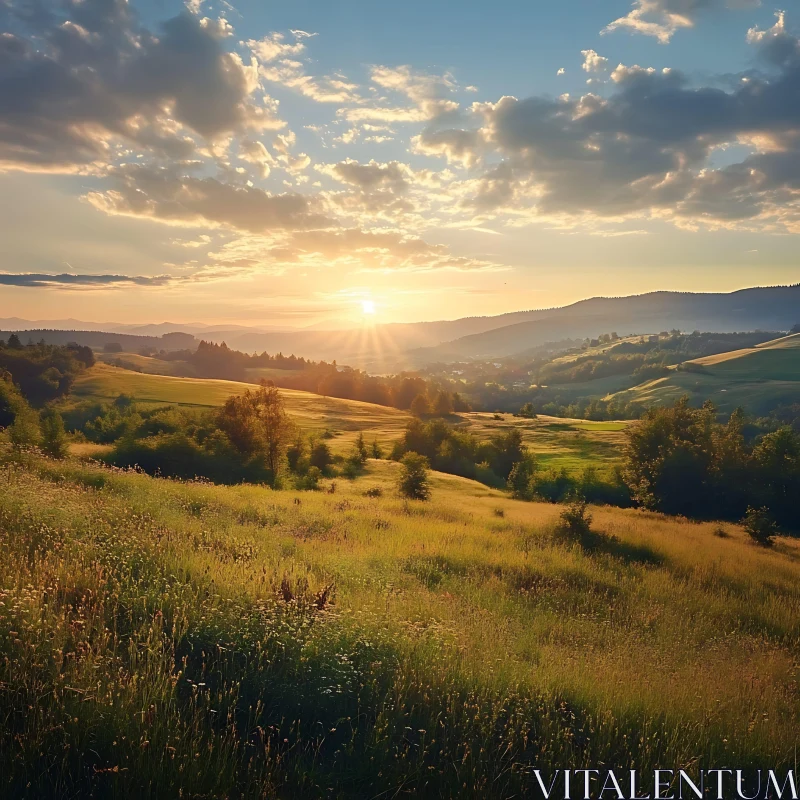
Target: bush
x=760, y=526
x=309, y=481
x=351, y=468
x=413, y=482
x=575, y=523
x=521, y=478
x=24, y=431
x=320, y=457
x=377, y=450
x=295, y=454
x=374, y=491
x=54, y=439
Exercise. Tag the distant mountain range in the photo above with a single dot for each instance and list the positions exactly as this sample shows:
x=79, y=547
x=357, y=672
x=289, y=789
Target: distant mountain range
x=389, y=347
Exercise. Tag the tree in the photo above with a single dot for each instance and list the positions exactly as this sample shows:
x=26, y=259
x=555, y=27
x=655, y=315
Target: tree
x=521, y=478
x=443, y=404
x=528, y=411
x=795, y=329
x=257, y=425
x=669, y=458
x=54, y=439
x=377, y=450
x=11, y=401
x=14, y=343
x=360, y=452
x=460, y=405
x=295, y=453
x=320, y=456
x=420, y=407
x=24, y=432
x=112, y=347
x=413, y=482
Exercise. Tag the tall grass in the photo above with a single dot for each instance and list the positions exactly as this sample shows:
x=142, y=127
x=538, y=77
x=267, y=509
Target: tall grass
x=165, y=639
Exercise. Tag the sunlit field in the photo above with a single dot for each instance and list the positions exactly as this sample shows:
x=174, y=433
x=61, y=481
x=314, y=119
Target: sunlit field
x=314, y=414
x=757, y=378
x=559, y=443
x=165, y=639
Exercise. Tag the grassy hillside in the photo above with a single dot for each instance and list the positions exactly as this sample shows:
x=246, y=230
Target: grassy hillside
x=150, y=366
x=558, y=443
x=240, y=642
x=313, y=413
x=570, y=444
x=757, y=379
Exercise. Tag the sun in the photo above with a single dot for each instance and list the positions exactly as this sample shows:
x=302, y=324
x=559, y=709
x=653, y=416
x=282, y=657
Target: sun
x=368, y=307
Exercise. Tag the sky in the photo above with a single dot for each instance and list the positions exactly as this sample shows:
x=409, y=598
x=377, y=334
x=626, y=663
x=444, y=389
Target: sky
x=314, y=162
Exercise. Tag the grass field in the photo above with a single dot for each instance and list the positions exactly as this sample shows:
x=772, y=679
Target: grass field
x=164, y=638
x=558, y=443
x=756, y=379
x=150, y=366
x=312, y=413
x=570, y=444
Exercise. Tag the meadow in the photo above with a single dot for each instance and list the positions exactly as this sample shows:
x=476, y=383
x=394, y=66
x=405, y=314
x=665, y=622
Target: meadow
x=162, y=638
x=558, y=443
x=757, y=379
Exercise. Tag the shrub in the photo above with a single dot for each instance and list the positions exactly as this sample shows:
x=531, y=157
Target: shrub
x=320, y=456
x=413, y=482
x=377, y=450
x=374, y=491
x=520, y=480
x=24, y=431
x=295, y=454
x=760, y=526
x=54, y=439
x=575, y=523
x=351, y=468
x=309, y=481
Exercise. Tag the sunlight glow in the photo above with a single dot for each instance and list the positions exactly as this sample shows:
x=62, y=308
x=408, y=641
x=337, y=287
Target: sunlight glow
x=368, y=306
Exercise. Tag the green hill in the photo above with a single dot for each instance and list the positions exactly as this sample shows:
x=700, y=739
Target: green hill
x=163, y=638
x=757, y=379
x=558, y=443
x=312, y=412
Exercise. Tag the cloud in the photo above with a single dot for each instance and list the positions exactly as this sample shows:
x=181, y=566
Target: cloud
x=663, y=18
x=457, y=145
x=256, y=154
x=164, y=196
x=279, y=63
x=371, y=176
x=272, y=47
x=428, y=95
x=90, y=80
x=347, y=250
x=66, y=280
x=592, y=62
x=646, y=148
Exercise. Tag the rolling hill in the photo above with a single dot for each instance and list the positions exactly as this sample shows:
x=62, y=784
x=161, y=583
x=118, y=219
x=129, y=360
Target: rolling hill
x=558, y=443
x=757, y=379
x=391, y=347
x=165, y=638
x=771, y=308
